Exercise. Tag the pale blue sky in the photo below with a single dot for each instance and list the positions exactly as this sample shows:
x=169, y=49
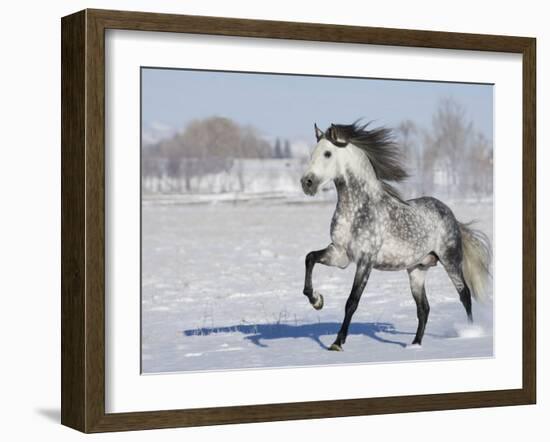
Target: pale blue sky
x=288, y=105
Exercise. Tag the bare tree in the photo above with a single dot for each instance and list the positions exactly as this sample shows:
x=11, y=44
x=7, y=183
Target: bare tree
x=456, y=159
x=407, y=133
x=480, y=167
x=451, y=137
x=210, y=146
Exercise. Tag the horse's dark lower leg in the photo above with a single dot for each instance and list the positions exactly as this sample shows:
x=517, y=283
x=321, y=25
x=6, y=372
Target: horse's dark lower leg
x=466, y=299
x=417, y=278
x=360, y=281
x=455, y=273
x=311, y=259
x=331, y=256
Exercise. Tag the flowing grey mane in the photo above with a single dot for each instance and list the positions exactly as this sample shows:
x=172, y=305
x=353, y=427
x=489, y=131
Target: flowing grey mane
x=380, y=147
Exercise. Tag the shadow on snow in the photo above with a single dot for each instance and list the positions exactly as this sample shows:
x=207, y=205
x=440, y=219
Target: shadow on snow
x=256, y=333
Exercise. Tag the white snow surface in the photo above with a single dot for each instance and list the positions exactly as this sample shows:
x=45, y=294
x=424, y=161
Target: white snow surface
x=222, y=289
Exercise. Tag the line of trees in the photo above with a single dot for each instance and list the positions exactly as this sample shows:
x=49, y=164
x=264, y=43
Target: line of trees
x=451, y=157
x=281, y=150
x=208, y=146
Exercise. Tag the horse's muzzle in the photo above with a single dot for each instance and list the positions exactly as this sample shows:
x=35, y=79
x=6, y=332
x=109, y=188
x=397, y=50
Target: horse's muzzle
x=309, y=184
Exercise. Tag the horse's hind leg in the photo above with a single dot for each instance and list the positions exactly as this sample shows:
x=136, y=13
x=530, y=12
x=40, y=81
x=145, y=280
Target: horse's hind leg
x=417, y=278
x=331, y=256
x=454, y=270
x=451, y=256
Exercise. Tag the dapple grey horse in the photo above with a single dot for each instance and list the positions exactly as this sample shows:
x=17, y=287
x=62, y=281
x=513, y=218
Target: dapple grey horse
x=375, y=228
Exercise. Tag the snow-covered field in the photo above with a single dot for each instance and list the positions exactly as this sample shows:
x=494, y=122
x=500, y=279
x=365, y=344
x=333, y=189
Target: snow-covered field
x=222, y=289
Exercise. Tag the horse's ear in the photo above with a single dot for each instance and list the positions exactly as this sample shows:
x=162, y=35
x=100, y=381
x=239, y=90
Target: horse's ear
x=335, y=137
x=318, y=132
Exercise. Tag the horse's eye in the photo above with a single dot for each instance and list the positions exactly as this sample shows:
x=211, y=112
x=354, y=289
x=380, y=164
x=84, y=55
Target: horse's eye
x=328, y=154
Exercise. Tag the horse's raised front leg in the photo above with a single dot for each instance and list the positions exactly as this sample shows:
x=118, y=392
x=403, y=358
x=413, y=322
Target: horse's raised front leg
x=331, y=256
x=362, y=273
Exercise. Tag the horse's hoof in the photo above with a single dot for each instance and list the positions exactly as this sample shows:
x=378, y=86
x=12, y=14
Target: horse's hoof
x=319, y=301
x=335, y=347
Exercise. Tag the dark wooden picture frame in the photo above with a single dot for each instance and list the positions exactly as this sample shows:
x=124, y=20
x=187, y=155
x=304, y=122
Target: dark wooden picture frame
x=83, y=220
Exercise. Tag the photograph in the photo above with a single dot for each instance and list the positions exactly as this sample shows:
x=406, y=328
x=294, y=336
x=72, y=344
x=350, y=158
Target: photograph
x=303, y=220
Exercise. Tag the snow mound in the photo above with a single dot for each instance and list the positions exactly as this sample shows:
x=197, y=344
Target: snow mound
x=469, y=331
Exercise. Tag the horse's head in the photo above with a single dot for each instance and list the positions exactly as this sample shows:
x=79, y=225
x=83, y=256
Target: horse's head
x=343, y=149
x=326, y=159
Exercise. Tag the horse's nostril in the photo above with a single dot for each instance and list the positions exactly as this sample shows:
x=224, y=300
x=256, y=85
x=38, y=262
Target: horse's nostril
x=309, y=182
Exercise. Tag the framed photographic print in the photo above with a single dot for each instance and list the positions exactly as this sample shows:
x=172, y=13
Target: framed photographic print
x=270, y=220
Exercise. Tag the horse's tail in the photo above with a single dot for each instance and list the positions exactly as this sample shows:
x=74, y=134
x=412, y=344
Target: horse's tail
x=476, y=261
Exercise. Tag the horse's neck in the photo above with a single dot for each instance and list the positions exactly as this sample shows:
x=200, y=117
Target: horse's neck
x=356, y=193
